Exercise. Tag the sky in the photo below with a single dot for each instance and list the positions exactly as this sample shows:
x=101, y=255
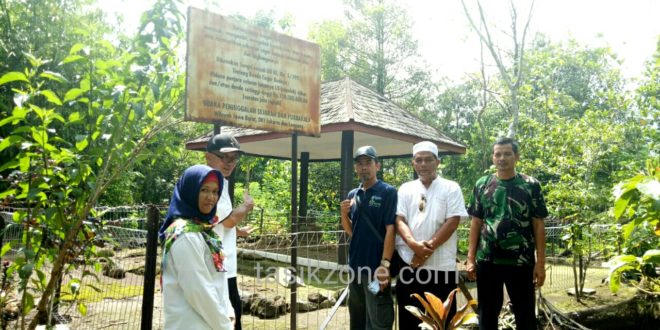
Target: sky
x=446, y=42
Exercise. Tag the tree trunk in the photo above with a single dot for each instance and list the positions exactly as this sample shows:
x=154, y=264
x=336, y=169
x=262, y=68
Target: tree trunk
x=575, y=279
x=512, y=80
x=58, y=267
x=515, y=111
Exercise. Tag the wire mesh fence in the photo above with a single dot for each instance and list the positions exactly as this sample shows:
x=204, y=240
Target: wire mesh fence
x=598, y=243
x=265, y=275
x=112, y=293
x=107, y=295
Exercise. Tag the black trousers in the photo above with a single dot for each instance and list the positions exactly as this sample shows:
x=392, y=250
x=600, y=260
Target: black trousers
x=235, y=299
x=519, y=284
x=439, y=283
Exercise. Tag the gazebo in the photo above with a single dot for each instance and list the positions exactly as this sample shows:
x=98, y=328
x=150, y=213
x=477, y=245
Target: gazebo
x=351, y=115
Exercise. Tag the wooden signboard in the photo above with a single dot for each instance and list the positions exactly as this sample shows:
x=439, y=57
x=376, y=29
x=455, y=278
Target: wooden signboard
x=247, y=76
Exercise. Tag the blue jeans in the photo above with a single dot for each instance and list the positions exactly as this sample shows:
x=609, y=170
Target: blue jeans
x=368, y=311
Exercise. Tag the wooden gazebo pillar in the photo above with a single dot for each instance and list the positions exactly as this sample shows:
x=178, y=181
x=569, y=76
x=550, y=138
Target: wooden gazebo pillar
x=346, y=183
x=304, y=185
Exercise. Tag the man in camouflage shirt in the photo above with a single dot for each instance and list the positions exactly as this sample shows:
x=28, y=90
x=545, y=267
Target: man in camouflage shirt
x=507, y=210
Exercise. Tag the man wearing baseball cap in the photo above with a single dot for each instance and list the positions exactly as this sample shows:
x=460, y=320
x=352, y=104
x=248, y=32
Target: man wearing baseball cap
x=367, y=216
x=427, y=215
x=223, y=153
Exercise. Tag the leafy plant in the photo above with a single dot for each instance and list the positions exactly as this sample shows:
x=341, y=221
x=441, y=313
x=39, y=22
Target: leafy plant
x=74, y=122
x=436, y=312
x=642, y=267
x=637, y=202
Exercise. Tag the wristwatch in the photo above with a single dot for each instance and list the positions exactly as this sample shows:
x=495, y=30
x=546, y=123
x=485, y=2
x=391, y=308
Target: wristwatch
x=385, y=263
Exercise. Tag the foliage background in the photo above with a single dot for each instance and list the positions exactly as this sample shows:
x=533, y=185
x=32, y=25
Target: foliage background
x=89, y=116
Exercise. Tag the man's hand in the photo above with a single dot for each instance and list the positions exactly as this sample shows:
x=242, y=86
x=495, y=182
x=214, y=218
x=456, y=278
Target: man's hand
x=345, y=219
x=382, y=274
x=346, y=207
x=417, y=261
x=248, y=201
x=428, y=244
x=471, y=267
x=244, y=232
x=421, y=249
x=539, y=274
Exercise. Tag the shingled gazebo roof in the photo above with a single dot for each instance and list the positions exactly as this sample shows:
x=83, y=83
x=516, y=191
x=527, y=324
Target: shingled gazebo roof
x=345, y=106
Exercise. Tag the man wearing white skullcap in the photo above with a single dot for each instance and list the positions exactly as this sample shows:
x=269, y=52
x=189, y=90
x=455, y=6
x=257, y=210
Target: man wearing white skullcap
x=427, y=215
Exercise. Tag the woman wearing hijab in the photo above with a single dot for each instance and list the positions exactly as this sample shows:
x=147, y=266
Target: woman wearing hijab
x=195, y=294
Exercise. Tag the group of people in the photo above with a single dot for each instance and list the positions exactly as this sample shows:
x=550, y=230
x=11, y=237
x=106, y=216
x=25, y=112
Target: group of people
x=409, y=233
x=413, y=231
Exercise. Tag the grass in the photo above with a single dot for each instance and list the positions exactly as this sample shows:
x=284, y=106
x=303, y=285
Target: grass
x=602, y=297
x=99, y=291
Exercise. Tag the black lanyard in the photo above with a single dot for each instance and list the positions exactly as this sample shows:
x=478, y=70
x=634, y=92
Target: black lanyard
x=364, y=217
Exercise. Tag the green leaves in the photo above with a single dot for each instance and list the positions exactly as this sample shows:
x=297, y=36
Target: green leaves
x=9, y=141
x=71, y=59
x=82, y=144
x=621, y=203
x=82, y=308
x=26, y=271
x=652, y=256
x=72, y=94
x=13, y=76
x=621, y=264
x=40, y=136
x=637, y=201
x=74, y=117
x=51, y=97
x=625, y=189
x=74, y=123
x=650, y=188
x=55, y=76
x=5, y=249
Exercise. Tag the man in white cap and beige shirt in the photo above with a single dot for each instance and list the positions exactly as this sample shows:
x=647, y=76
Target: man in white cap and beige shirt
x=428, y=212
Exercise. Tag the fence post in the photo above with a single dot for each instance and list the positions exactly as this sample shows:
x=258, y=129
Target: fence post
x=294, y=229
x=150, y=268
x=261, y=223
x=2, y=231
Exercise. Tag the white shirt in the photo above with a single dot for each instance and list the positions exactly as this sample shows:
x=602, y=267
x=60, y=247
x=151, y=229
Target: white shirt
x=444, y=200
x=195, y=295
x=228, y=235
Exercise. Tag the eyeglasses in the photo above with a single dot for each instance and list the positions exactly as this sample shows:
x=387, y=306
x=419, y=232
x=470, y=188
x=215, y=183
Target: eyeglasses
x=422, y=203
x=226, y=158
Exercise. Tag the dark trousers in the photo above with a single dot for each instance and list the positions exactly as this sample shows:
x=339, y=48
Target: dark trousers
x=368, y=311
x=410, y=281
x=235, y=299
x=519, y=284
